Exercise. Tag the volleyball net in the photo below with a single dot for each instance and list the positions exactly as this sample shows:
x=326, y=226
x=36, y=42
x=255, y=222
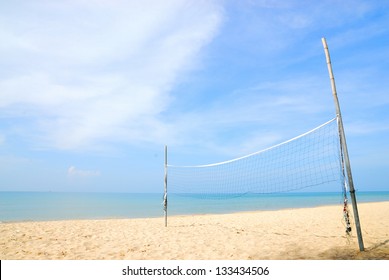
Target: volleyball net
x=308, y=160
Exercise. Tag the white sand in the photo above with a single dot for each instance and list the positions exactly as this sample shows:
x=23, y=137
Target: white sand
x=309, y=233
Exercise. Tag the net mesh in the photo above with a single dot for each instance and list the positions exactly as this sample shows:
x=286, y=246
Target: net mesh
x=308, y=160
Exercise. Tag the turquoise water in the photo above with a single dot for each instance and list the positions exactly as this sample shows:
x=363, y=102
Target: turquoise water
x=46, y=206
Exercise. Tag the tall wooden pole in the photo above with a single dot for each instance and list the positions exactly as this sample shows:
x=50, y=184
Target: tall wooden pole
x=344, y=147
x=165, y=189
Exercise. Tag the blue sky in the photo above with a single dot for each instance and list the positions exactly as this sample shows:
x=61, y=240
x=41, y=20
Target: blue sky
x=91, y=91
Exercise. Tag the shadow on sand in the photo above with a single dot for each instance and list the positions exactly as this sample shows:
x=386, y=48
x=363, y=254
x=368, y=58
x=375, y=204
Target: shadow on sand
x=378, y=251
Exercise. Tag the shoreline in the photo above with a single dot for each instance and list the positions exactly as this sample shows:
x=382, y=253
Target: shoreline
x=193, y=214
x=24, y=207
x=296, y=233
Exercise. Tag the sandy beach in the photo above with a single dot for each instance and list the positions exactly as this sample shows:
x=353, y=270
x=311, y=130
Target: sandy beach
x=306, y=233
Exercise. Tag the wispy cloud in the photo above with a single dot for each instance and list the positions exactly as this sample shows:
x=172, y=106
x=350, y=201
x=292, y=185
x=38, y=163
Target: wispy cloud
x=254, y=118
x=75, y=172
x=82, y=73
x=366, y=128
x=297, y=95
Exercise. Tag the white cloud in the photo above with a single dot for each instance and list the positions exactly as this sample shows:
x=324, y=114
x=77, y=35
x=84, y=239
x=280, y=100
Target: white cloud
x=75, y=172
x=255, y=118
x=367, y=128
x=82, y=73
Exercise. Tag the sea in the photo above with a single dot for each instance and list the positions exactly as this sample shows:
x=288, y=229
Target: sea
x=49, y=206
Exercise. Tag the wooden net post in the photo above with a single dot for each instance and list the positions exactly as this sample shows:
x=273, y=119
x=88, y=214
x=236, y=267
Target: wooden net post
x=344, y=147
